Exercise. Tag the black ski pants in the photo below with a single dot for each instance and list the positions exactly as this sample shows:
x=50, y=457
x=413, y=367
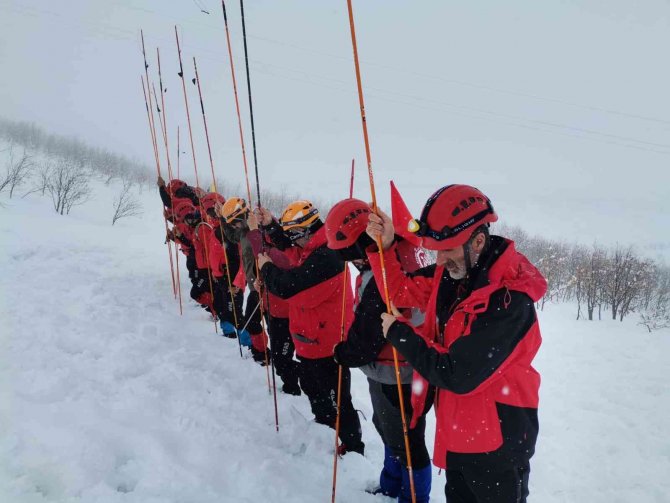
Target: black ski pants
x=226, y=306
x=491, y=484
x=318, y=379
x=191, y=266
x=387, y=419
x=283, y=349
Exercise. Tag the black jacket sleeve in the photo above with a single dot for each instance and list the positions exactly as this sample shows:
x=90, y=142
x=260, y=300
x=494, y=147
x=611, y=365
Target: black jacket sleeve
x=320, y=266
x=183, y=239
x=365, y=338
x=165, y=197
x=471, y=359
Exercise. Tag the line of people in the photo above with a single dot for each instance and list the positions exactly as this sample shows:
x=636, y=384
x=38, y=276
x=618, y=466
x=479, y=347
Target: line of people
x=465, y=328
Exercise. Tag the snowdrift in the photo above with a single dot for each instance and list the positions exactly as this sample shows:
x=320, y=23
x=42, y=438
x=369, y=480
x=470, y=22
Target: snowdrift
x=107, y=394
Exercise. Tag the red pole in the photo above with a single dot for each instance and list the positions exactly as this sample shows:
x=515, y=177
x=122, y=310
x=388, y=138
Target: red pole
x=246, y=177
x=158, y=171
x=195, y=167
x=379, y=244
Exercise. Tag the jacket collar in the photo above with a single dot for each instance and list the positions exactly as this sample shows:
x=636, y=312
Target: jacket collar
x=503, y=266
x=317, y=240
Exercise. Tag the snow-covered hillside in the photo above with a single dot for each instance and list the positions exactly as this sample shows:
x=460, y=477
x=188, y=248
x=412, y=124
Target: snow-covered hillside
x=107, y=394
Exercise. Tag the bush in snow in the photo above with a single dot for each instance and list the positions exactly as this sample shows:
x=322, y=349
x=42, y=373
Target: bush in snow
x=17, y=170
x=68, y=185
x=126, y=204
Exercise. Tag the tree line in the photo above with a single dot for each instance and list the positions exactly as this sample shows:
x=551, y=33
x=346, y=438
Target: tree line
x=602, y=282
x=63, y=167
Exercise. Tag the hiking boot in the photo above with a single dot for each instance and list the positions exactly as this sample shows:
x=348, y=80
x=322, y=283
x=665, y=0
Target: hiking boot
x=342, y=449
x=291, y=389
x=260, y=356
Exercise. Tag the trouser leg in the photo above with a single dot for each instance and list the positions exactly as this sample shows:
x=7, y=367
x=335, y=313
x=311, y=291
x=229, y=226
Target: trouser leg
x=319, y=381
x=283, y=349
x=488, y=485
x=387, y=419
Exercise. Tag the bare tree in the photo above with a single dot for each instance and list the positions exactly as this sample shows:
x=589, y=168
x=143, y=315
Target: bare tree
x=17, y=170
x=40, y=179
x=125, y=204
x=656, y=315
x=594, y=272
x=642, y=278
x=554, y=264
x=98, y=160
x=68, y=185
x=43, y=177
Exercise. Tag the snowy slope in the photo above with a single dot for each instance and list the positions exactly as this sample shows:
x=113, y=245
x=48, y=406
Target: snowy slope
x=107, y=394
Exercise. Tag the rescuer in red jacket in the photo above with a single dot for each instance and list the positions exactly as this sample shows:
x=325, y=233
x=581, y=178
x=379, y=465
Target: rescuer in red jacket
x=367, y=349
x=314, y=290
x=476, y=346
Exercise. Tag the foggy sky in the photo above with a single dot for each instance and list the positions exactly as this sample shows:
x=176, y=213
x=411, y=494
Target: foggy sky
x=558, y=111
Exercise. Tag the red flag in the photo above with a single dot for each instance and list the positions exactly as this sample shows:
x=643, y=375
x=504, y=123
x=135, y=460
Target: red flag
x=402, y=217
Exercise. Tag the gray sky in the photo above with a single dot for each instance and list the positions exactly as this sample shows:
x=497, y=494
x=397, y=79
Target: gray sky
x=559, y=111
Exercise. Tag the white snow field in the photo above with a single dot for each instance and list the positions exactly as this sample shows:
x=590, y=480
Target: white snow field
x=107, y=394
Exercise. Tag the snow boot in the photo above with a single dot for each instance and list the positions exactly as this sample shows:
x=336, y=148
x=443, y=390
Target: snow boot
x=228, y=329
x=258, y=349
x=291, y=389
x=205, y=300
x=342, y=449
x=390, y=479
x=422, y=485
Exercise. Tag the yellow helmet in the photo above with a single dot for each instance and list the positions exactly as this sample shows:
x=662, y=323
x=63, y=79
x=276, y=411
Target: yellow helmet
x=235, y=208
x=299, y=215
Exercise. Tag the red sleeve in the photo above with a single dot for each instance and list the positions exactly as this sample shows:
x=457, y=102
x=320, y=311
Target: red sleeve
x=279, y=258
x=240, y=280
x=216, y=254
x=404, y=290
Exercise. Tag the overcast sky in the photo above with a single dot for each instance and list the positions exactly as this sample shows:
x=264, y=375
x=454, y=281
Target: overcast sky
x=559, y=110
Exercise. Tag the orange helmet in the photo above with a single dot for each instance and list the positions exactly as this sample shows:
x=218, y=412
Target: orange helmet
x=235, y=208
x=299, y=215
x=451, y=215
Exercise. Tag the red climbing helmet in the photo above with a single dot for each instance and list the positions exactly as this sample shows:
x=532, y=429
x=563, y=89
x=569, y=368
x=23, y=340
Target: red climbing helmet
x=174, y=185
x=182, y=209
x=345, y=223
x=451, y=215
x=210, y=200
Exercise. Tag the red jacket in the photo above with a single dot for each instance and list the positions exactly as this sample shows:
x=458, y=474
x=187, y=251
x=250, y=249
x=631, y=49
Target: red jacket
x=185, y=240
x=314, y=289
x=209, y=252
x=481, y=360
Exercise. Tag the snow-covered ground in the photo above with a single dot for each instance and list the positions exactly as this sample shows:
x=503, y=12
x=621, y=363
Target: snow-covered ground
x=107, y=394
